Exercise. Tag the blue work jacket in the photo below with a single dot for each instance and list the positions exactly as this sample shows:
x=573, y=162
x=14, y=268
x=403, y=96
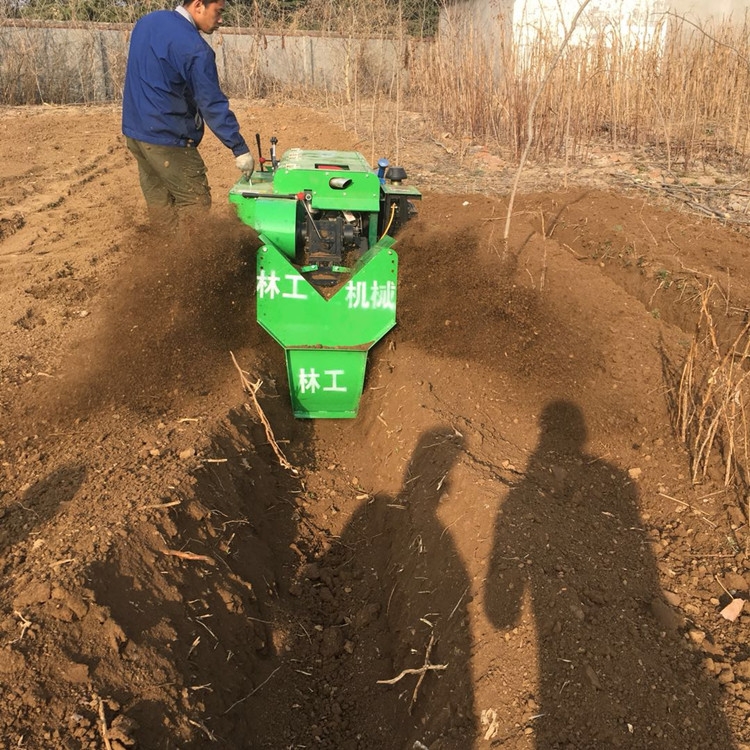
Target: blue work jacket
x=172, y=86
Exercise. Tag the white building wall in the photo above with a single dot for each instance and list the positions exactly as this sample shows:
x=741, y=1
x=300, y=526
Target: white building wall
x=633, y=21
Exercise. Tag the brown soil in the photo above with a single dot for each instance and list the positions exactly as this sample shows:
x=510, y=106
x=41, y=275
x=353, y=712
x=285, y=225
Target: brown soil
x=510, y=509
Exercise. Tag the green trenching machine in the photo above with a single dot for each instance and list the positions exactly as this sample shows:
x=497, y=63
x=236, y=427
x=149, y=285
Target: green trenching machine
x=326, y=272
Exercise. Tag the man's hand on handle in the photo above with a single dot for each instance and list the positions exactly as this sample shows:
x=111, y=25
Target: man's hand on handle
x=245, y=163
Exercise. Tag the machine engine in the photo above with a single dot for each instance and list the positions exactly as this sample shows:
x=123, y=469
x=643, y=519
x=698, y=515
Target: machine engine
x=327, y=271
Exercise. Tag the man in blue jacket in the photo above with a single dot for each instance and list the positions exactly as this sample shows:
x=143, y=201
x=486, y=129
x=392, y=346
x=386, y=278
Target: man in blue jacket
x=171, y=90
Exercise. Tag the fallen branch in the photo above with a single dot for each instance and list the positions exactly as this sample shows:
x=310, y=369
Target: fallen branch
x=252, y=389
x=421, y=671
x=189, y=556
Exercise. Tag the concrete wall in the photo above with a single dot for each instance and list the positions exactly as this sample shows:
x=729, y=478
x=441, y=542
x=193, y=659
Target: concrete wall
x=58, y=63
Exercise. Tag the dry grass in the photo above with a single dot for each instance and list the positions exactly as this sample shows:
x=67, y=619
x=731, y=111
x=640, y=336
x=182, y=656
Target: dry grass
x=712, y=418
x=681, y=87
x=677, y=87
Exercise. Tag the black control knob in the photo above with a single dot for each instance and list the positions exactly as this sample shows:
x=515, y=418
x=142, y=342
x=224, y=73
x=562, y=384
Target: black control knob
x=395, y=174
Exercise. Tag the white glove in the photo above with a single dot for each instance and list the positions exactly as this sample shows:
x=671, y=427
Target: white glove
x=245, y=163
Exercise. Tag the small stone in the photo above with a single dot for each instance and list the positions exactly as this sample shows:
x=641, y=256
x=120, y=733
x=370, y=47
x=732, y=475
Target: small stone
x=635, y=473
x=736, y=516
x=593, y=678
x=735, y=582
x=696, y=636
x=711, y=666
x=726, y=675
x=11, y=662
x=186, y=454
x=73, y=672
x=743, y=669
x=311, y=571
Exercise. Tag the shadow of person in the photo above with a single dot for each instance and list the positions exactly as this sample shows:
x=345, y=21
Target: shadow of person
x=389, y=595
x=612, y=671
x=429, y=591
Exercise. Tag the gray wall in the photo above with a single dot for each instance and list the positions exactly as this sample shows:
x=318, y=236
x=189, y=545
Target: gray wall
x=59, y=63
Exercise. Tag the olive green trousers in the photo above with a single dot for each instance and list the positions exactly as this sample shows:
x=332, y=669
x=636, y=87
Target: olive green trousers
x=172, y=179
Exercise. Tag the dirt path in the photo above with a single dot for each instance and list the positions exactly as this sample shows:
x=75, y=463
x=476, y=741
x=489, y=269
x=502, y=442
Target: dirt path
x=510, y=512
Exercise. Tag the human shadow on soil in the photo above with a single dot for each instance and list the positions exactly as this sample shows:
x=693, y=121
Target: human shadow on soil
x=429, y=595
x=38, y=503
x=392, y=594
x=613, y=670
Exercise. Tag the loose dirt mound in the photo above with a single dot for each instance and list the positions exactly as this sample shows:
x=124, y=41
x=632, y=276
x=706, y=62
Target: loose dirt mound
x=504, y=549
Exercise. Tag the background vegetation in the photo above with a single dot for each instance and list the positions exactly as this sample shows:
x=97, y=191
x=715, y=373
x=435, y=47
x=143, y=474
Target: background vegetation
x=420, y=16
x=680, y=87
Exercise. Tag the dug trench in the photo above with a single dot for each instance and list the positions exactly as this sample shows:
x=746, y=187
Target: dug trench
x=504, y=549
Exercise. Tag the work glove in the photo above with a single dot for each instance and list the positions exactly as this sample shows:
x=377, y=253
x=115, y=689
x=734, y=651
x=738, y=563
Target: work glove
x=245, y=163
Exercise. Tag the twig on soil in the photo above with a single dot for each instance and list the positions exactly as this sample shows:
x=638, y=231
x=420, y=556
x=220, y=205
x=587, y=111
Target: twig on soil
x=252, y=389
x=57, y=563
x=105, y=730
x=211, y=736
x=578, y=255
x=200, y=622
x=193, y=645
x=189, y=556
x=452, y=523
x=170, y=504
x=723, y=587
x=422, y=671
x=687, y=505
x=252, y=692
x=453, y=611
x=25, y=624
x=682, y=502
x=649, y=231
x=388, y=606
